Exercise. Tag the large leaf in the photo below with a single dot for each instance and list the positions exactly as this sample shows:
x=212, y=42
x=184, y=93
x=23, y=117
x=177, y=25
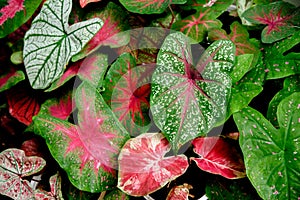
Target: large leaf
x=14, y=167
x=187, y=101
x=218, y=156
x=127, y=90
x=16, y=13
x=197, y=25
x=143, y=167
x=149, y=6
x=286, y=62
x=51, y=42
x=291, y=84
x=271, y=155
x=87, y=151
x=10, y=77
x=281, y=18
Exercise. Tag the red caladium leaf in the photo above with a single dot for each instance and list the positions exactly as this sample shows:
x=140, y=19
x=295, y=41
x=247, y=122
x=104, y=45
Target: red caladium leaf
x=127, y=90
x=11, y=9
x=22, y=105
x=239, y=36
x=14, y=167
x=83, y=3
x=149, y=6
x=218, y=157
x=197, y=25
x=180, y=192
x=112, y=33
x=281, y=18
x=55, y=190
x=87, y=151
x=10, y=78
x=143, y=168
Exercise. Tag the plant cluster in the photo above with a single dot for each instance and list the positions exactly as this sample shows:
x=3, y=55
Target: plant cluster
x=167, y=99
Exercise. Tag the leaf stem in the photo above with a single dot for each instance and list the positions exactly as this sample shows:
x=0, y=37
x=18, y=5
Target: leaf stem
x=101, y=197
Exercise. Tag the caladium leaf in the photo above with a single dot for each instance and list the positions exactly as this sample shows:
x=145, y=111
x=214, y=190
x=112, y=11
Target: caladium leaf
x=49, y=45
x=187, y=101
x=180, y=192
x=149, y=6
x=116, y=194
x=10, y=78
x=239, y=36
x=23, y=104
x=87, y=151
x=218, y=156
x=276, y=150
x=83, y=3
x=242, y=66
x=242, y=6
x=197, y=25
x=291, y=84
x=127, y=90
x=68, y=74
x=55, y=190
x=285, y=63
x=143, y=168
x=15, y=13
x=218, y=6
x=281, y=18
x=113, y=32
x=14, y=167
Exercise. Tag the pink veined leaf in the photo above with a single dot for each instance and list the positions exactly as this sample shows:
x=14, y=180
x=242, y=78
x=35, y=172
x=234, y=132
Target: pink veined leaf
x=10, y=78
x=180, y=192
x=11, y=9
x=83, y=3
x=143, y=167
x=63, y=108
x=55, y=190
x=22, y=105
x=14, y=167
x=218, y=157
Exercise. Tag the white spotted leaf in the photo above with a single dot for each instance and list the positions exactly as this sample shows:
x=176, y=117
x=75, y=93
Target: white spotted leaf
x=189, y=100
x=50, y=42
x=272, y=155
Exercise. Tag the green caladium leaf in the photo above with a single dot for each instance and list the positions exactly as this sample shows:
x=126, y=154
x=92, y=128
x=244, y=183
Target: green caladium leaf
x=242, y=6
x=285, y=63
x=272, y=155
x=10, y=77
x=87, y=151
x=218, y=6
x=149, y=6
x=242, y=66
x=187, y=100
x=15, y=13
x=116, y=194
x=281, y=18
x=291, y=84
x=50, y=42
x=197, y=25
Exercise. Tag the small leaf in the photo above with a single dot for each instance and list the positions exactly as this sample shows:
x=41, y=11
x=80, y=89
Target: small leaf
x=285, y=63
x=49, y=45
x=218, y=6
x=180, y=192
x=23, y=105
x=143, y=167
x=14, y=167
x=276, y=150
x=281, y=18
x=10, y=78
x=218, y=157
x=55, y=190
x=197, y=25
x=15, y=13
x=83, y=3
x=187, y=101
x=149, y=6
x=116, y=194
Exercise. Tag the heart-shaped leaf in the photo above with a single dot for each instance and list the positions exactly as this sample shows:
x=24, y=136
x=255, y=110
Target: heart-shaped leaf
x=285, y=63
x=55, y=190
x=10, y=78
x=290, y=85
x=187, y=101
x=127, y=90
x=14, y=167
x=149, y=6
x=218, y=156
x=143, y=168
x=197, y=25
x=271, y=155
x=281, y=18
x=51, y=42
x=15, y=13
x=180, y=192
x=87, y=151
